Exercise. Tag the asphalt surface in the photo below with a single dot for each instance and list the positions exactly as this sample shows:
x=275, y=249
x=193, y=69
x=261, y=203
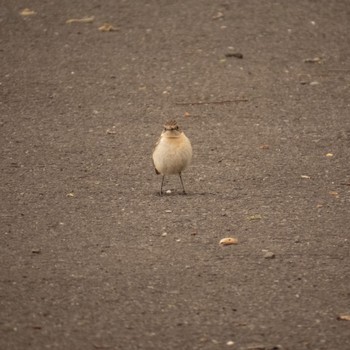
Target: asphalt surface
x=92, y=257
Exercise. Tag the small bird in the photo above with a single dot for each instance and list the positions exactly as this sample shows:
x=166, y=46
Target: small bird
x=172, y=153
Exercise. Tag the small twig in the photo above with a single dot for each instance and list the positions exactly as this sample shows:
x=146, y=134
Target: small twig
x=211, y=102
x=345, y=183
x=81, y=20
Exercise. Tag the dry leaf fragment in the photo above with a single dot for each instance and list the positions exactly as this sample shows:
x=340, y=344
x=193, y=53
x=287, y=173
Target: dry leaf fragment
x=234, y=54
x=343, y=318
x=111, y=131
x=305, y=176
x=329, y=154
x=228, y=241
x=186, y=114
x=334, y=194
x=254, y=217
x=107, y=27
x=85, y=19
x=71, y=194
x=264, y=146
x=27, y=12
x=313, y=60
x=219, y=15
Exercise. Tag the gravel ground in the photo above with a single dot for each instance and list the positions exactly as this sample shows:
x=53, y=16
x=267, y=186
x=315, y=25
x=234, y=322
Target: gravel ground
x=92, y=257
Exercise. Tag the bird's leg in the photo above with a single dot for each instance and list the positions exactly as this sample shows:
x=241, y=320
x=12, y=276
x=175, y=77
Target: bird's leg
x=161, y=185
x=183, y=188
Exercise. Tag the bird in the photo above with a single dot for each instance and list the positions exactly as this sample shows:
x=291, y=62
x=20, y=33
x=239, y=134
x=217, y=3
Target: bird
x=172, y=153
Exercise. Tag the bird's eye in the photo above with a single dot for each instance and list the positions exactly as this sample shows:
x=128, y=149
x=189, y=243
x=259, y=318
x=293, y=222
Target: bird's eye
x=177, y=128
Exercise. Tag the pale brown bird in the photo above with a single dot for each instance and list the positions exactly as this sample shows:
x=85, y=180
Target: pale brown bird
x=172, y=153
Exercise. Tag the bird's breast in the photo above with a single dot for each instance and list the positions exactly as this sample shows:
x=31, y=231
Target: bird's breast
x=172, y=155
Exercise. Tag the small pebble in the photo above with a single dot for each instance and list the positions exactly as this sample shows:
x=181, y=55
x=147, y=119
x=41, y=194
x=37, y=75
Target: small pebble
x=230, y=342
x=269, y=255
x=36, y=251
x=164, y=234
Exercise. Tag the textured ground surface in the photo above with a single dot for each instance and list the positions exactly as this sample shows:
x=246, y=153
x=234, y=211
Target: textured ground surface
x=85, y=261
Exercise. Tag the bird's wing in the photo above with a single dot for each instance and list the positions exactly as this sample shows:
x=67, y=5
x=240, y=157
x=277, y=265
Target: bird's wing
x=154, y=148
